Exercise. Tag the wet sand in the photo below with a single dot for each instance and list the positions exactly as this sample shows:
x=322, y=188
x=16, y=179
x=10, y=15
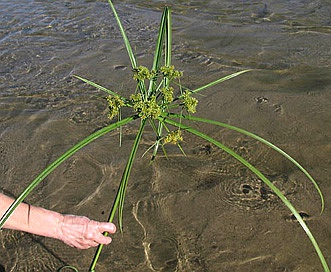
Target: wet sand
x=199, y=212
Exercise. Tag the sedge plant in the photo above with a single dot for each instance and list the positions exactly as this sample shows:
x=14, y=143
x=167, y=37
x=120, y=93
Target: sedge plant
x=161, y=102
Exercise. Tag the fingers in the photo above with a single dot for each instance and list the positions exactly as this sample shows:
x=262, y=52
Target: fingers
x=102, y=239
x=108, y=227
x=83, y=233
x=100, y=228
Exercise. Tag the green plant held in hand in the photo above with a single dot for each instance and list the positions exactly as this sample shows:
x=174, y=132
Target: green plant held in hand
x=161, y=101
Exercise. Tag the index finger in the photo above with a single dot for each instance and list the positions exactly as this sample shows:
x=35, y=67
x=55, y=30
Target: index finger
x=108, y=227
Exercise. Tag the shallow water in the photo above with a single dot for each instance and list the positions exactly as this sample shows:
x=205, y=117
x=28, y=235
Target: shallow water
x=202, y=212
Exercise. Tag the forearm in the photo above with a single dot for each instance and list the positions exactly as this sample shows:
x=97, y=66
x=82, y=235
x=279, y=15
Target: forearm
x=76, y=231
x=31, y=219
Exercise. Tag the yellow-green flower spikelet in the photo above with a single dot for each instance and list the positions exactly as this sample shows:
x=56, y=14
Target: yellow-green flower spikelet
x=114, y=105
x=173, y=137
x=190, y=103
x=170, y=72
x=142, y=73
x=146, y=109
x=168, y=94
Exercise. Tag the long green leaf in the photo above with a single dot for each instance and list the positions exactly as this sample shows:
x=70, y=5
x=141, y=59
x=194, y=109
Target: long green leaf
x=98, y=86
x=158, y=49
x=160, y=39
x=57, y=162
x=263, y=178
x=120, y=196
x=260, y=139
x=127, y=171
x=134, y=65
x=168, y=36
x=165, y=35
x=220, y=80
x=125, y=38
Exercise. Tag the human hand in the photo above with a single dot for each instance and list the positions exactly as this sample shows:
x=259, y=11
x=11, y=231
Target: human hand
x=83, y=233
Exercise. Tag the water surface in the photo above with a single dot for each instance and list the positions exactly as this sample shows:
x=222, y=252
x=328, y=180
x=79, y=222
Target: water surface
x=202, y=212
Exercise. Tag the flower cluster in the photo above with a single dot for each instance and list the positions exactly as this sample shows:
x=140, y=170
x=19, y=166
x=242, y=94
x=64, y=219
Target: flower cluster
x=170, y=72
x=190, y=103
x=114, y=105
x=149, y=107
x=146, y=108
x=141, y=73
x=168, y=94
x=173, y=137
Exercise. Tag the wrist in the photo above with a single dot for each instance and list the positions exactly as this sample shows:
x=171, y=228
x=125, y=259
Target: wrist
x=59, y=223
x=45, y=222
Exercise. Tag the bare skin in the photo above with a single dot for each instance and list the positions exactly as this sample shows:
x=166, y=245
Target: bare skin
x=75, y=231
